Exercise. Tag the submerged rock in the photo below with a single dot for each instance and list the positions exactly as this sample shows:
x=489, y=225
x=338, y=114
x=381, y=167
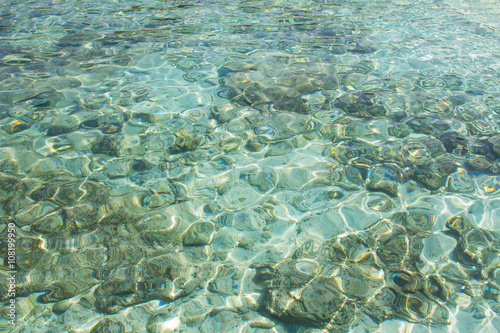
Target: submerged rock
x=165, y=277
x=477, y=250
x=329, y=288
x=271, y=89
x=200, y=233
x=108, y=326
x=185, y=141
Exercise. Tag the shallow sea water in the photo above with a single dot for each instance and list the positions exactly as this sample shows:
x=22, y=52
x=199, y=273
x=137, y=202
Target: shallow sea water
x=251, y=166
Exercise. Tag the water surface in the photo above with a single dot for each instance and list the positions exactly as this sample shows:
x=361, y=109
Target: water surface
x=251, y=166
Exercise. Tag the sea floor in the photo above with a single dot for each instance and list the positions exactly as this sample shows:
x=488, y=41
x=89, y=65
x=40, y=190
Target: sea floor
x=250, y=166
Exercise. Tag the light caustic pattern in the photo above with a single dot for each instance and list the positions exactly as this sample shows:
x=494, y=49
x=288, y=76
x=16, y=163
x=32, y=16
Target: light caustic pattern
x=251, y=165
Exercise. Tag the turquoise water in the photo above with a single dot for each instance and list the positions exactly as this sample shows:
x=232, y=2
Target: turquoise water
x=250, y=166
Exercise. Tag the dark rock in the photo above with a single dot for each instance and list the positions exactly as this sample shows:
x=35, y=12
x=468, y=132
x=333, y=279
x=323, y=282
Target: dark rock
x=428, y=179
x=108, y=326
x=362, y=50
x=109, y=145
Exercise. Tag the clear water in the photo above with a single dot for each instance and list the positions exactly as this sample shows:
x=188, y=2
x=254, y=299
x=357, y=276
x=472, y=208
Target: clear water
x=250, y=166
